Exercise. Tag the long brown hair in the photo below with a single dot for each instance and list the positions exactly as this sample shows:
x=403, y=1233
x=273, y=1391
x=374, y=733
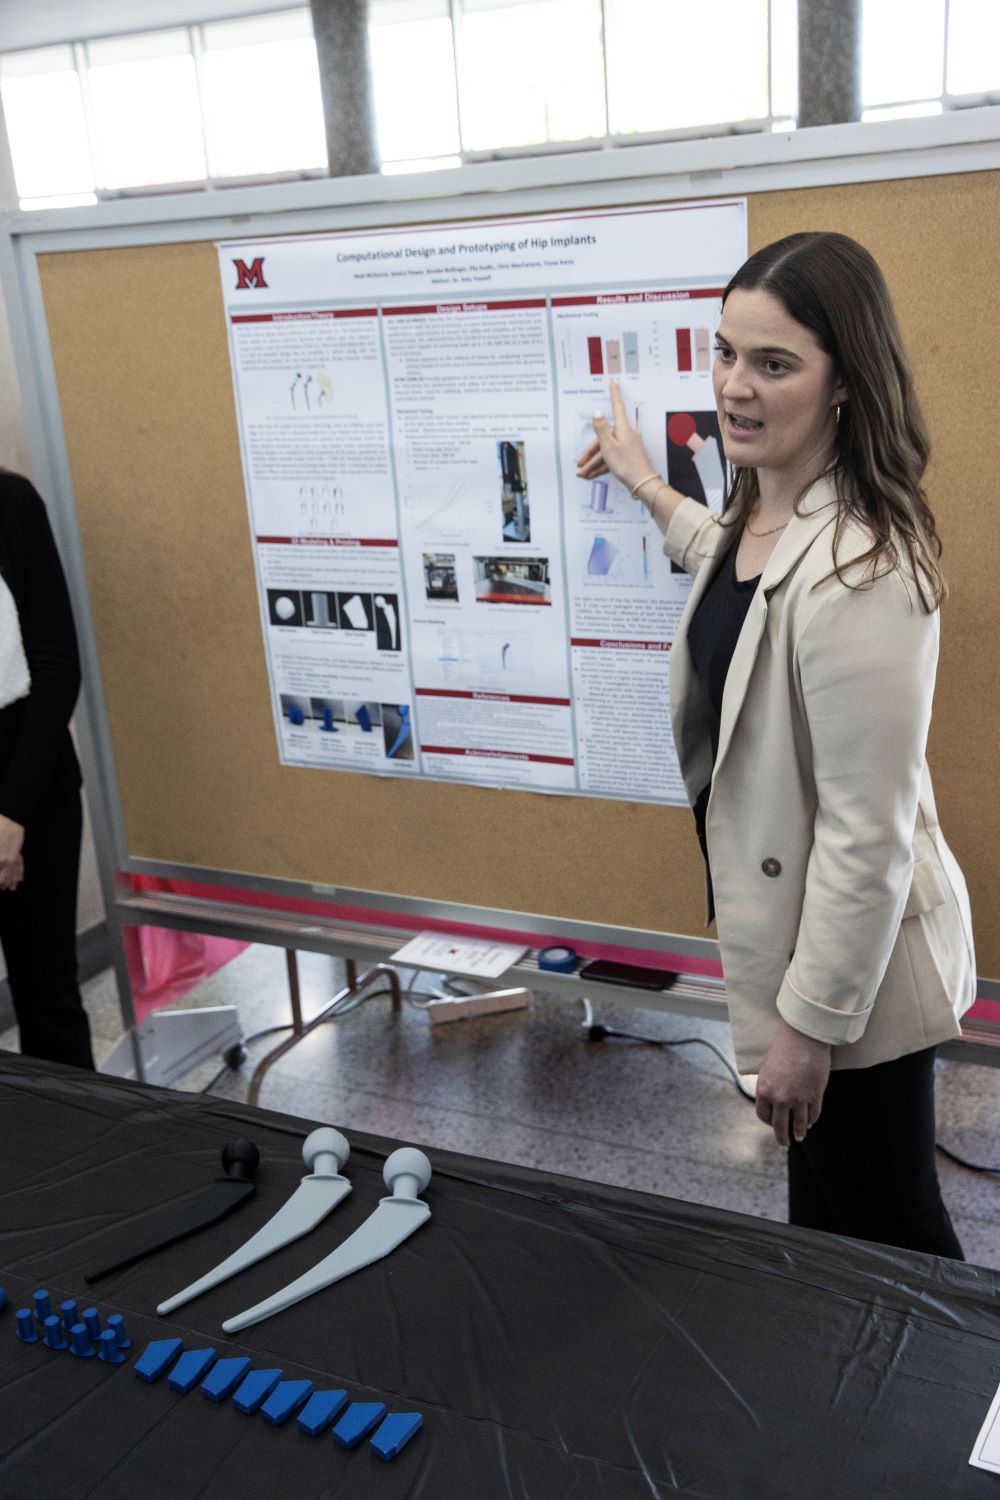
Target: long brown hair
x=833, y=286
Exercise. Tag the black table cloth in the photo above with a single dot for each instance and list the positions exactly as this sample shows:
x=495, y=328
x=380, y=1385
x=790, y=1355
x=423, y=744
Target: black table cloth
x=561, y=1339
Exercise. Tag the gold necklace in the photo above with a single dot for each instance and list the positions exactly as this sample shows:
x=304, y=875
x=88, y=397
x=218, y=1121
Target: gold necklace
x=770, y=532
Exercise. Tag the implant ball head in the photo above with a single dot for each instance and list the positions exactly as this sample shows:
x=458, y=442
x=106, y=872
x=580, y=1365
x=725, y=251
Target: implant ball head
x=325, y=1151
x=284, y=608
x=410, y=1169
x=240, y=1160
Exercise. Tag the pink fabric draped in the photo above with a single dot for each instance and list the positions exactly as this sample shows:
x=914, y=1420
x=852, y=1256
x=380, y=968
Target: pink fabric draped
x=174, y=962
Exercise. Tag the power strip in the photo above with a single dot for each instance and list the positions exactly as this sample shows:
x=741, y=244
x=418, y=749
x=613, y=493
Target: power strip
x=461, y=1007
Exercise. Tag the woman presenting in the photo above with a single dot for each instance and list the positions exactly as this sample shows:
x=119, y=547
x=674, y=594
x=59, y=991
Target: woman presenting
x=801, y=682
x=40, y=807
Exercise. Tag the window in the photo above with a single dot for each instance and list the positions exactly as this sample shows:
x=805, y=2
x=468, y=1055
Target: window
x=503, y=76
x=531, y=72
x=46, y=126
x=144, y=113
x=973, y=47
x=457, y=80
x=898, y=69
x=945, y=54
x=261, y=96
x=412, y=39
x=674, y=67
x=193, y=105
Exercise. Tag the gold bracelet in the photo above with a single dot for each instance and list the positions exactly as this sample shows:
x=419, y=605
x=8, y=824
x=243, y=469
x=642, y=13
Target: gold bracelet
x=645, y=480
x=663, y=485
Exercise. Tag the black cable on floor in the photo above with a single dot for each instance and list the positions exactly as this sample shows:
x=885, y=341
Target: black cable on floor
x=351, y=1002
x=973, y=1166
x=597, y=1031
x=244, y=1041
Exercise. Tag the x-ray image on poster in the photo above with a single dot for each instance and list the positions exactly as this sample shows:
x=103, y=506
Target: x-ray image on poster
x=440, y=595
x=696, y=459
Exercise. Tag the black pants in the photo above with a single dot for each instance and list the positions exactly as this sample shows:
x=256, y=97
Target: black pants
x=38, y=933
x=866, y=1168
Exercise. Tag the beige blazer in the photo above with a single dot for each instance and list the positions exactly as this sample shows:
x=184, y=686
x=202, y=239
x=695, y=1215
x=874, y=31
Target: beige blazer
x=839, y=905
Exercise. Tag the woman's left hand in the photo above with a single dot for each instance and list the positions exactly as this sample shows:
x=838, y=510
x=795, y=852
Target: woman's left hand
x=791, y=1083
x=11, y=863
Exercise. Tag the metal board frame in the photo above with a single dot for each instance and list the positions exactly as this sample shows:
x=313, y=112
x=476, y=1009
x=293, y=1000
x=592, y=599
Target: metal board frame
x=966, y=141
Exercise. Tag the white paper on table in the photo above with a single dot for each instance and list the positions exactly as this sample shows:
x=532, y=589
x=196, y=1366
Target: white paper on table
x=454, y=955
x=986, y=1448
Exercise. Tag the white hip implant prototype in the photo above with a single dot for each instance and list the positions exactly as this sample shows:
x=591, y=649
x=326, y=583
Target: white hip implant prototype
x=406, y=1173
x=324, y=1152
x=389, y=612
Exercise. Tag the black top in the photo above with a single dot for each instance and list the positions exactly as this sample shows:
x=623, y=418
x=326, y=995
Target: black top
x=36, y=751
x=712, y=635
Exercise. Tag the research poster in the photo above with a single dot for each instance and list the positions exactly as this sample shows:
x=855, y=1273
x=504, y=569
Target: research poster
x=440, y=595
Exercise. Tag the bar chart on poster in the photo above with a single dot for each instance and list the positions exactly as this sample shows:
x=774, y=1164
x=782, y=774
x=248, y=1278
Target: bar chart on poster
x=440, y=596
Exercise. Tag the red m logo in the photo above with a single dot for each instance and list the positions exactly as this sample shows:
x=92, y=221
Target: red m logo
x=249, y=277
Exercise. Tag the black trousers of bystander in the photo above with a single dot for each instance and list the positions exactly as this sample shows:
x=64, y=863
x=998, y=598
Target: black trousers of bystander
x=867, y=1167
x=38, y=934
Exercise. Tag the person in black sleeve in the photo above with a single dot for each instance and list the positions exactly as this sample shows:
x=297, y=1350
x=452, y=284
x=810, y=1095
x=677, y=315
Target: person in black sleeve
x=41, y=815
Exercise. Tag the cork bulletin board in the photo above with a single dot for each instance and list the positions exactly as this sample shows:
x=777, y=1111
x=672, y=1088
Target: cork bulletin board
x=145, y=392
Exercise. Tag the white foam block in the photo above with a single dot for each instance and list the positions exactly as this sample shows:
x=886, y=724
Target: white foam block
x=986, y=1449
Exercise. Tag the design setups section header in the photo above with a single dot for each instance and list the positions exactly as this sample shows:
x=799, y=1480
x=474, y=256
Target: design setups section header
x=440, y=596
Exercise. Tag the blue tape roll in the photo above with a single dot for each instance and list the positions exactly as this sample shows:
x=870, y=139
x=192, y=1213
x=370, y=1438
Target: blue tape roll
x=558, y=960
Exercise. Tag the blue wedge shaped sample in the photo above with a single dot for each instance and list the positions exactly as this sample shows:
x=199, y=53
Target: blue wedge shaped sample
x=357, y=1422
x=190, y=1368
x=285, y=1400
x=320, y=1410
x=395, y=1432
x=223, y=1379
x=255, y=1389
x=156, y=1357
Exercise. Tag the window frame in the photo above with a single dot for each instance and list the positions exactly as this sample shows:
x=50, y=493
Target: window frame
x=949, y=102
x=210, y=182
x=614, y=141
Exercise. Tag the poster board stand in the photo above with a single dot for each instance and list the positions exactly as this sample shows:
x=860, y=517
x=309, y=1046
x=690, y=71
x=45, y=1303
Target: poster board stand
x=120, y=346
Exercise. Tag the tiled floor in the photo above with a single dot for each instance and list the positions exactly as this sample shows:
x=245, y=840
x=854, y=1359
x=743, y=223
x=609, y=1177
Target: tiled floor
x=527, y=1087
